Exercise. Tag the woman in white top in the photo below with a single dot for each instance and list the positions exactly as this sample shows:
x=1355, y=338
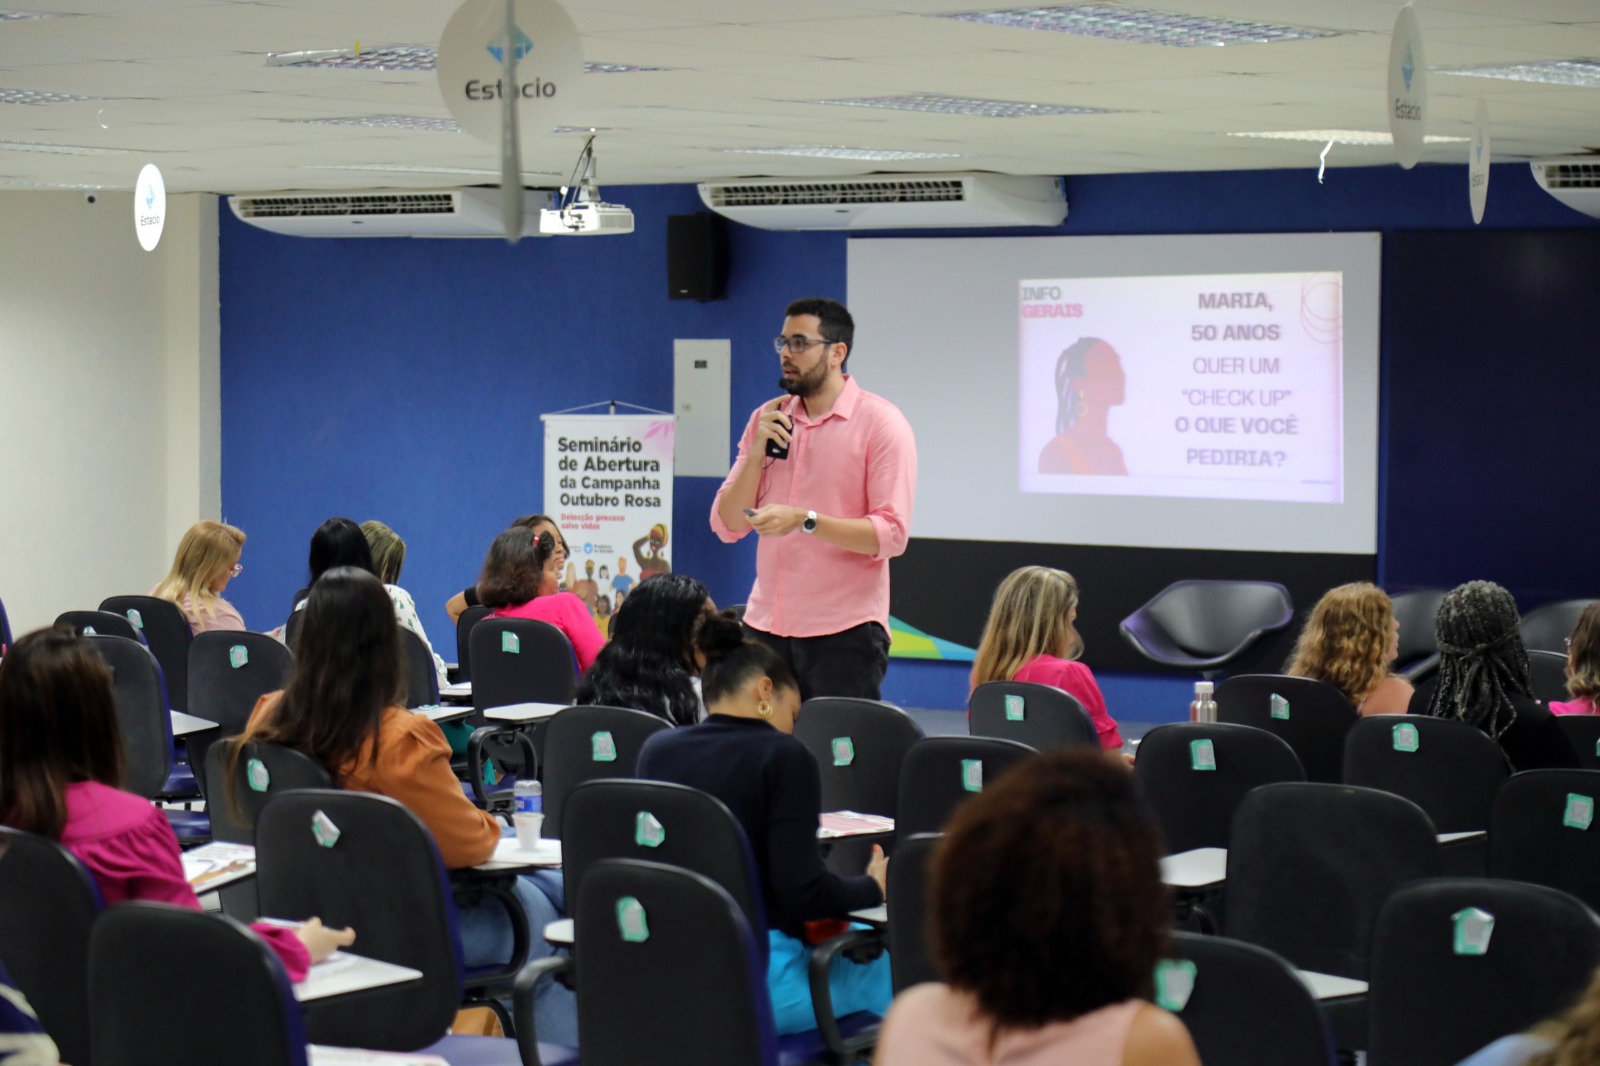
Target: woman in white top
x=388, y=556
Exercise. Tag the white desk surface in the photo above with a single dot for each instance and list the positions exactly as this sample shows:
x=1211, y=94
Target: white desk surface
x=210, y=867
x=184, y=724
x=1195, y=869
x=443, y=714
x=1329, y=986
x=459, y=689
x=878, y=915
x=524, y=712
x=560, y=931
x=319, y=1055
x=508, y=856
x=1451, y=838
x=342, y=972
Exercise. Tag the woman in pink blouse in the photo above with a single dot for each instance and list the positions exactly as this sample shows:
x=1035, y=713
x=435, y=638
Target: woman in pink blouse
x=1029, y=637
x=520, y=577
x=1583, y=666
x=207, y=559
x=60, y=765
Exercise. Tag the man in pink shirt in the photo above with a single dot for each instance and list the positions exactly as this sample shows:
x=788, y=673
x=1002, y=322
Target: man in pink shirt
x=826, y=476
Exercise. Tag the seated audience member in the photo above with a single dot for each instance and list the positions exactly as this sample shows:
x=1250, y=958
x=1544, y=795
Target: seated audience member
x=651, y=663
x=538, y=523
x=23, y=1041
x=1047, y=918
x=1571, y=1039
x=1029, y=637
x=207, y=559
x=744, y=755
x=337, y=542
x=1483, y=678
x=388, y=556
x=1350, y=641
x=342, y=707
x=1583, y=665
x=61, y=764
x=519, y=581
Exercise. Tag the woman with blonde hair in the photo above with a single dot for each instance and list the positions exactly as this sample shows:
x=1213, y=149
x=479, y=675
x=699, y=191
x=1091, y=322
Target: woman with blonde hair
x=1029, y=637
x=388, y=556
x=1583, y=666
x=207, y=559
x=1349, y=641
x=1570, y=1039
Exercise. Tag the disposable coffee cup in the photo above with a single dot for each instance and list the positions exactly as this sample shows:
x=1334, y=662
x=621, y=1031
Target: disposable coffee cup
x=529, y=826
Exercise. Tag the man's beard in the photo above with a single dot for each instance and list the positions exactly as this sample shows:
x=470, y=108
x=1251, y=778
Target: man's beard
x=805, y=384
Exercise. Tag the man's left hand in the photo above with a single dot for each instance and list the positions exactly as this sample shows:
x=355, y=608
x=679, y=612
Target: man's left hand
x=777, y=520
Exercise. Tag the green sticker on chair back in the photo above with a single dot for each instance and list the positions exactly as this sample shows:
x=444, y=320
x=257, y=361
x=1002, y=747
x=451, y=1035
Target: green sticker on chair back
x=1202, y=754
x=135, y=617
x=972, y=775
x=510, y=644
x=647, y=831
x=1016, y=708
x=238, y=656
x=322, y=828
x=1406, y=737
x=844, y=751
x=1279, y=707
x=255, y=772
x=1175, y=983
x=602, y=747
x=631, y=921
x=1579, y=812
x=1472, y=929
x=88, y=631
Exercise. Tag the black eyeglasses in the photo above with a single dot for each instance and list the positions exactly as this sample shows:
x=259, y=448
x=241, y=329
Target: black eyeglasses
x=797, y=343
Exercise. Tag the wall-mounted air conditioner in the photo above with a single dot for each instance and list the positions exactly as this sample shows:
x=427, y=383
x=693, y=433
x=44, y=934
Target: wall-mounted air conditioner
x=472, y=212
x=890, y=201
x=1574, y=180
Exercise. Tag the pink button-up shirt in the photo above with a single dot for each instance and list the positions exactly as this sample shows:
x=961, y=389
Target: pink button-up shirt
x=857, y=461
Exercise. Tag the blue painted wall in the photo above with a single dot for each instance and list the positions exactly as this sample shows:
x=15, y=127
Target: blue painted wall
x=403, y=380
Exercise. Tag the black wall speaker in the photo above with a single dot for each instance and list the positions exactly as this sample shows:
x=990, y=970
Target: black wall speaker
x=697, y=256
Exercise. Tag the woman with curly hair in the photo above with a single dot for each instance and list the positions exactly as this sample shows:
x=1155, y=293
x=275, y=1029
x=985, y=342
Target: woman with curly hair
x=1583, y=665
x=1047, y=917
x=651, y=663
x=1483, y=678
x=1349, y=641
x=1572, y=1039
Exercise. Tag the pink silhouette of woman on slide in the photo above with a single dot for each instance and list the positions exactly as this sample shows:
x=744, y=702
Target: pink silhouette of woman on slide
x=1089, y=382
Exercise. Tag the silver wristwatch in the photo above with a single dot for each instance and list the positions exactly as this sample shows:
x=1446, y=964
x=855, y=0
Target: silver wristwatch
x=810, y=524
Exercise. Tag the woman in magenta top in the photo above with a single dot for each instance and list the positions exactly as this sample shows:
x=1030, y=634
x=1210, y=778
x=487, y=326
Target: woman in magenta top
x=1029, y=637
x=520, y=577
x=60, y=763
x=1583, y=666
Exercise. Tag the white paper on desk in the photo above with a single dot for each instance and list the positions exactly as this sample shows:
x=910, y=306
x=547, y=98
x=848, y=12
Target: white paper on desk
x=835, y=824
x=207, y=862
x=343, y=972
x=318, y=1055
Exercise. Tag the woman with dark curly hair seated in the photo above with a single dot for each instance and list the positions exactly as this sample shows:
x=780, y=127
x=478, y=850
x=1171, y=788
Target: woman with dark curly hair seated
x=651, y=663
x=1048, y=917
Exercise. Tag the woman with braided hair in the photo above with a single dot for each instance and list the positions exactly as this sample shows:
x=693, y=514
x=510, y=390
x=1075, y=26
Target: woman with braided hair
x=1483, y=678
x=1089, y=382
x=1571, y=1039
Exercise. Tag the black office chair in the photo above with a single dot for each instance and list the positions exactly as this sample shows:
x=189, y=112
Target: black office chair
x=1312, y=716
x=166, y=631
x=1309, y=868
x=1195, y=774
x=520, y=660
x=1583, y=733
x=1547, y=628
x=1446, y=982
x=1204, y=625
x=859, y=745
x=940, y=773
x=169, y=985
x=1451, y=769
x=291, y=628
x=1040, y=716
x=264, y=772
x=1247, y=1006
x=100, y=623
x=1542, y=831
x=1419, y=644
x=228, y=672
x=142, y=716
x=469, y=618
x=910, y=962
x=1547, y=674
x=587, y=743
x=48, y=903
x=422, y=680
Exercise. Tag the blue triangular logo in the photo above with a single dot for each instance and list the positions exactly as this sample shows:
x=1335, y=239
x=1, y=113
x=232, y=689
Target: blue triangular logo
x=497, y=46
x=150, y=197
x=1408, y=67
x=1480, y=151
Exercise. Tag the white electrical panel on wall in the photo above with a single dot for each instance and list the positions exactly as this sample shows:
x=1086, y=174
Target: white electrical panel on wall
x=701, y=398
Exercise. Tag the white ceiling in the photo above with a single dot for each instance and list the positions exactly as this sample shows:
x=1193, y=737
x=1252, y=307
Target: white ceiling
x=184, y=83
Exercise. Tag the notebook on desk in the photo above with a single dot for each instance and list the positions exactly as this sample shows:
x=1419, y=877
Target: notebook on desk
x=210, y=867
x=836, y=824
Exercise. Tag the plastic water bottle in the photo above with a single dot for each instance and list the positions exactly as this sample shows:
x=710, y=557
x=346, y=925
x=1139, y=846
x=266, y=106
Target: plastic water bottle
x=1204, y=708
x=528, y=816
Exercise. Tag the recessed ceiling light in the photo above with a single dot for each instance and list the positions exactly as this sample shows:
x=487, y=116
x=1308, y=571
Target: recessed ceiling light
x=398, y=168
x=1359, y=138
x=1141, y=26
x=1584, y=73
x=813, y=152
x=57, y=149
x=25, y=16
x=415, y=58
x=40, y=96
x=581, y=129
x=385, y=122
x=42, y=183
x=964, y=105
x=619, y=68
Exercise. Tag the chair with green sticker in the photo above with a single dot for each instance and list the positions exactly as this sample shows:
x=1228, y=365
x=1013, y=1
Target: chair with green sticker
x=940, y=773
x=1583, y=733
x=228, y=672
x=590, y=742
x=1242, y=1004
x=262, y=773
x=1195, y=774
x=1458, y=963
x=1451, y=769
x=910, y=962
x=1040, y=716
x=1312, y=716
x=520, y=660
x=167, y=632
x=859, y=745
x=469, y=618
x=1542, y=830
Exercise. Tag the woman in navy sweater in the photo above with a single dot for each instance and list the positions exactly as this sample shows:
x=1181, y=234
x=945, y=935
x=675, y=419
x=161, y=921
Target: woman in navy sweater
x=744, y=755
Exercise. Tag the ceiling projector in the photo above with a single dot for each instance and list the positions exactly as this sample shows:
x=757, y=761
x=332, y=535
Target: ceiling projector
x=585, y=219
